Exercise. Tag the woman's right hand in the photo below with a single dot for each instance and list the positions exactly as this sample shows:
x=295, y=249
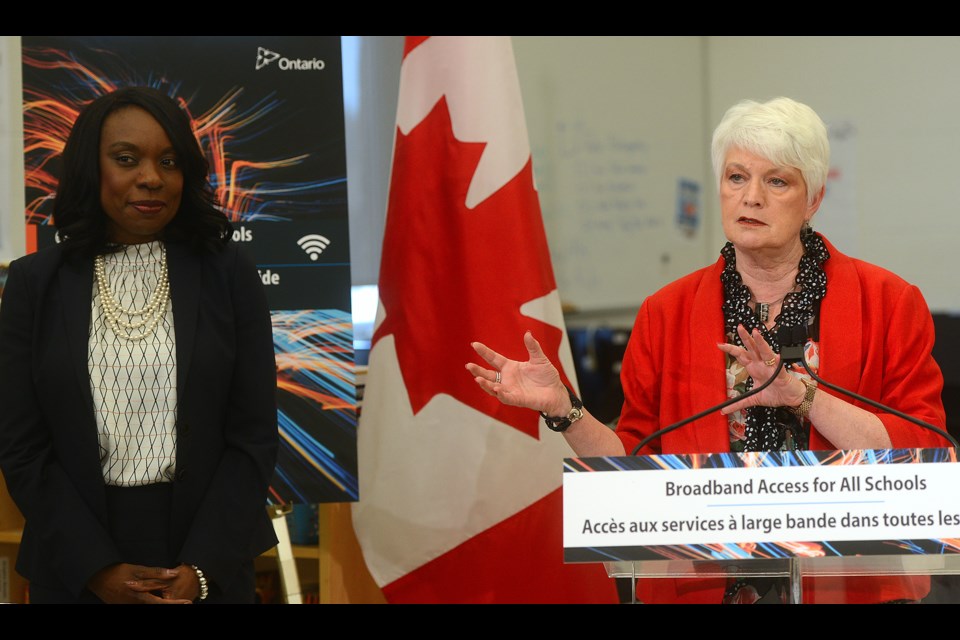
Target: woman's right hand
x=534, y=384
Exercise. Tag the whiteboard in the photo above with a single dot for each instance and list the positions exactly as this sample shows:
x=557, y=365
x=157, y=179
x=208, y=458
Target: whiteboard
x=620, y=150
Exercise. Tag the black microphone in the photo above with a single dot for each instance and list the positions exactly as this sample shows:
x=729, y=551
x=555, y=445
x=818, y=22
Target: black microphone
x=796, y=337
x=706, y=412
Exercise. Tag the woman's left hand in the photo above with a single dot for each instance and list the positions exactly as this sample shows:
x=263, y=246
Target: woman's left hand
x=760, y=362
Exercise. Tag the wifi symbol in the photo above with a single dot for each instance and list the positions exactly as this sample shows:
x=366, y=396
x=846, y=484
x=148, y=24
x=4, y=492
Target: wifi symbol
x=313, y=244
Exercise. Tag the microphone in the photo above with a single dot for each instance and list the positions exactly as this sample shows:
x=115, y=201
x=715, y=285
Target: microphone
x=706, y=412
x=792, y=341
x=796, y=337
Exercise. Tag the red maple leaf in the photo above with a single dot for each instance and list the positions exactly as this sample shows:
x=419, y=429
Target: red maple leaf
x=450, y=275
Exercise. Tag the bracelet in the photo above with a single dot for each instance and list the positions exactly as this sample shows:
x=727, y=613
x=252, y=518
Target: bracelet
x=803, y=409
x=204, y=589
x=562, y=424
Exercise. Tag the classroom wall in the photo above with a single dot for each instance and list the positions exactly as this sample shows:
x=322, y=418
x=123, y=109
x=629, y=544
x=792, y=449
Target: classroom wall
x=644, y=106
x=12, y=240
x=897, y=98
x=617, y=128
x=371, y=74
x=889, y=103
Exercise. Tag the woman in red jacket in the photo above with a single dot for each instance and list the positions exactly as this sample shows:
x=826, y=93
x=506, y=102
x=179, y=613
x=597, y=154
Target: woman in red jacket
x=713, y=335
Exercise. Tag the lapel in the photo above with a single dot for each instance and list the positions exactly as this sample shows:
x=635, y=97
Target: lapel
x=76, y=285
x=79, y=430
x=840, y=346
x=184, y=271
x=705, y=363
x=841, y=362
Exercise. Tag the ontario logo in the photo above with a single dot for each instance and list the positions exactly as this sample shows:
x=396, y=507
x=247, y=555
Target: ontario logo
x=266, y=57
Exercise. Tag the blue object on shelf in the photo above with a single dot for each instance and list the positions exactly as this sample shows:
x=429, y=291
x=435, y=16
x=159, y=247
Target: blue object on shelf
x=303, y=523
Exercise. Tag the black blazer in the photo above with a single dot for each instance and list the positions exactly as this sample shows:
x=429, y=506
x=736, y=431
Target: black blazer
x=227, y=435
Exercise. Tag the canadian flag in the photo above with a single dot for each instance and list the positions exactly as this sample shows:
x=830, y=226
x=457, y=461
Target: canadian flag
x=460, y=496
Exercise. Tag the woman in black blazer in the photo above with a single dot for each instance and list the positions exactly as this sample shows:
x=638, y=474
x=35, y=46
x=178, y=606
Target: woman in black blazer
x=138, y=418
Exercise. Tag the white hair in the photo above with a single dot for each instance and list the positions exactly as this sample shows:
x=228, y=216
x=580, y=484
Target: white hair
x=784, y=131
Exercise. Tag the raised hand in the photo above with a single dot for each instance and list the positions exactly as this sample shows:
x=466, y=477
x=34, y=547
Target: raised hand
x=534, y=384
x=760, y=361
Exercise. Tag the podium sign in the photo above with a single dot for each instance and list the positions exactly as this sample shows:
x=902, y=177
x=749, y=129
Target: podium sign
x=771, y=505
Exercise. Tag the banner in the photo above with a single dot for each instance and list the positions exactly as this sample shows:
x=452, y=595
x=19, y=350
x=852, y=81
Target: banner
x=461, y=494
x=762, y=505
x=268, y=111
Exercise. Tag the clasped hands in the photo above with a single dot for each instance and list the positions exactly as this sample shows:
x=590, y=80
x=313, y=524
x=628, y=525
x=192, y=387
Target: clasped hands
x=124, y=583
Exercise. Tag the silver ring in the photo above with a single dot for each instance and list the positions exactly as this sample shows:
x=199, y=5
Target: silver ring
x=497, y=381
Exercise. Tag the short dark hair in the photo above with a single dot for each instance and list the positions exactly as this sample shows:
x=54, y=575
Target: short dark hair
x=77, y=211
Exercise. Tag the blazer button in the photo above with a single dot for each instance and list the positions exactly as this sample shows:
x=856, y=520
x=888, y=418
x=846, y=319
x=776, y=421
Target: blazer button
x=181, y=473
x=183, y=428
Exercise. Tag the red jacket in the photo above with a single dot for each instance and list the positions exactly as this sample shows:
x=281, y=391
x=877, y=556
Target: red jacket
x=876, y=339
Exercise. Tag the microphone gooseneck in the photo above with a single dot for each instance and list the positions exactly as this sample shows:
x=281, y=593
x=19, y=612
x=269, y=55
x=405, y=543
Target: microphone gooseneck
x=706, y=412
x=796, y=337
x=792, y=341
x=882, y=407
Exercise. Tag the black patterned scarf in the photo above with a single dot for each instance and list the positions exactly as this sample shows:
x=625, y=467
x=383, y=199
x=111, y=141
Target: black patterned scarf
x=767, y=428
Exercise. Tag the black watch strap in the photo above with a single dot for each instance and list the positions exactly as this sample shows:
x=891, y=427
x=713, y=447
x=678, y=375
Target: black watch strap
x=562, y=424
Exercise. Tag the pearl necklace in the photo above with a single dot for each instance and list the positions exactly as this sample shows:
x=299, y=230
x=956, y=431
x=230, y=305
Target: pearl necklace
x=149, y=316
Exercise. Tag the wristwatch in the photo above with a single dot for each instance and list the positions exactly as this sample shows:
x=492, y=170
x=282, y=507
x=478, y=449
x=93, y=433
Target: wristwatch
x=562, y=424
x=803, y=408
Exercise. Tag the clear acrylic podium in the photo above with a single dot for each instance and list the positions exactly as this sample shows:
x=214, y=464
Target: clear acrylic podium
x=795, y=569
x=785, y=515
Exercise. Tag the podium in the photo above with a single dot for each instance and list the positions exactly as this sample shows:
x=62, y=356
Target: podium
x=882, y=514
